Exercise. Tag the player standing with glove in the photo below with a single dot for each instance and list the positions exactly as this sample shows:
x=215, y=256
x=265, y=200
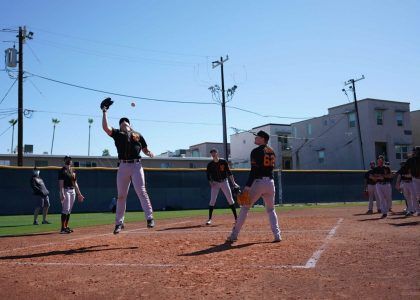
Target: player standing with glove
x=260, y=184
x=217, y=174
x=129, y=145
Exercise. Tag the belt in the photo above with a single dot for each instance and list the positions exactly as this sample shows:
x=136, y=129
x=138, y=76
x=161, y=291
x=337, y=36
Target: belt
x=406, y=180
x=69, y=188
x=264, y=178
x=383, y=182
x=129, y=161
x=221, y=180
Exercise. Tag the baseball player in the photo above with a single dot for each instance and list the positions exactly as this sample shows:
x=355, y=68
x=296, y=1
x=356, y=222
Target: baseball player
x=382, y=176
x=129, y=145
x=371, y=190
x=260, y=184
x=40, y=193
x=69, y=188
x=405, y=185
x=413, y=166
x=217, y=174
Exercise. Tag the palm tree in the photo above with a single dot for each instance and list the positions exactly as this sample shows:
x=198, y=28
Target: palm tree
x=13, y=123
x=55, y=122
x=90, y=121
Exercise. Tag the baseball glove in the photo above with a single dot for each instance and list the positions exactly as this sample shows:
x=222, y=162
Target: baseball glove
x=106, y=103
x=243, y=198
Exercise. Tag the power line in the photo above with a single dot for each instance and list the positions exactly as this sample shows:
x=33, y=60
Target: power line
x=121, y=95
x=7, y=129
x=265, y=116
x=8, y=91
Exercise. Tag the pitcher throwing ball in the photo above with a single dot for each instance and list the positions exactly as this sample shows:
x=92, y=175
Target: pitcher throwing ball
x=129, y=145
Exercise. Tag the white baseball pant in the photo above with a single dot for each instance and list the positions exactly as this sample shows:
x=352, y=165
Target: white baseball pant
x=260, y=188
x=216, y=187
x=384, y=192
x=371, y=188
x=409, y=192
x=68, y=202
x=127, y=173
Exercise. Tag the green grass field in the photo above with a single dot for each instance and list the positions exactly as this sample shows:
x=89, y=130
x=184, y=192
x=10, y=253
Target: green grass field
x=22, y=224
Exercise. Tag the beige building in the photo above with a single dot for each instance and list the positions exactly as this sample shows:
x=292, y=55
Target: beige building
x=415, y=126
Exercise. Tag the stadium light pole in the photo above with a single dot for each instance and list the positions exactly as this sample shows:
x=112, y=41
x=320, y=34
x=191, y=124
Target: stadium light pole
x=55, y=122
x=12, y=123
x=352, y=82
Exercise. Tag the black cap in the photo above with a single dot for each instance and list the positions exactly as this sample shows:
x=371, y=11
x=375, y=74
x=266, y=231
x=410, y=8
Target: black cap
x=263, y=134
x=124, y=120
x=67, y=157
x=214, y=150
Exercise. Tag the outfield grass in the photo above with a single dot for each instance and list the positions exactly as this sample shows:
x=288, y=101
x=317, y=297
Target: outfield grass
x=22, y=225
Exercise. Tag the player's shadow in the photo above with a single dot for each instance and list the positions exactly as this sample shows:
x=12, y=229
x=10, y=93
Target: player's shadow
x=81, y=250
x=28, y=234
x=220, y=248
x=399, y=218
x=186, y=227
x=414, y=223
x=371, y=219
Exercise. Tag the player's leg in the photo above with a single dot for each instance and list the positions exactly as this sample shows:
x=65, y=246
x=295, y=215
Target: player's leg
x=388, y=195
x=269, y=199
x=416, y=189
x=254, y=194
x=65, y=210
x=371, y=194
x=214, y=191
x=139, y=184
x=72, y=199
x=37, y=208
x=45, y=207
x=228, y=194
x=382, y=199
x=378, y=202
x=123, y=185
x=406, y=190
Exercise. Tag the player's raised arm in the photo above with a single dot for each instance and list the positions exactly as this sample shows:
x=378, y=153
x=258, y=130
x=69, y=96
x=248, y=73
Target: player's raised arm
x=105, y=104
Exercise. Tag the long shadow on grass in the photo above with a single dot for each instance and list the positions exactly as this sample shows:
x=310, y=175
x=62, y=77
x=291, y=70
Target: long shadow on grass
x=28, y=234
x=220, y=248
x=81, y=250
x=186, y=227
x=22, y=225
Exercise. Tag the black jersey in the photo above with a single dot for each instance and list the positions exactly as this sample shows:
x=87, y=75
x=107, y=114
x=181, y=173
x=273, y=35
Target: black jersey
x=263, y=160
x=129, y=144
x=368, y=180
x=413, y=166
x=68, y=176
x=404, y=173
x=218, y=171
x=382, y=171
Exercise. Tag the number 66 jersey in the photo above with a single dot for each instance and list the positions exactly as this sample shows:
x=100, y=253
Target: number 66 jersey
x=263, y=160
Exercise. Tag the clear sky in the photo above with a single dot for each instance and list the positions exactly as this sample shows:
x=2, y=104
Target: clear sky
x=288, y=59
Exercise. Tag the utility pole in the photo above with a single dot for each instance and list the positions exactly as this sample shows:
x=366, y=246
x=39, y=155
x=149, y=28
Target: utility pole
x=90, y=121
x=352, y=82
x=22, y=37
x=231, y=91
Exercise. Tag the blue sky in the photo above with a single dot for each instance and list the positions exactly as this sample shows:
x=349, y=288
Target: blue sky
x=288, y=59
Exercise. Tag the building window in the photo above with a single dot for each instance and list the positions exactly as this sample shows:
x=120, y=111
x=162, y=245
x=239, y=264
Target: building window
x=379, y=117
x=309, y=127
x=399, y=115
x=401, y=151
x=325, y=122
x=352, y=119
x=321, y=156
x=195, y=153
x=295, y=133
x=4, y=162
x=284, y=141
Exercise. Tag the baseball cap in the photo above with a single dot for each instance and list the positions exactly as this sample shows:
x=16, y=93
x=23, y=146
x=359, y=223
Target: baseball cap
x=214, y=150
x=67, y=157
x=263, y=134
x=124, y=119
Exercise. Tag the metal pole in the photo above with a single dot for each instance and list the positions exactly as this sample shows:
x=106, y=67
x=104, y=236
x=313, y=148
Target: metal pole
x=358, y=123
x=13, y=134
x=225, y=146
x=52, y=142
x=20, y=100
x=89, y=142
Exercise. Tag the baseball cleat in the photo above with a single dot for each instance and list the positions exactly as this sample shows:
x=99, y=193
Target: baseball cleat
x=231, y=239
x=117, y=229
x=408, y=213
x=64, y=231
x=384, y=216
x=69, y=229
x=150, y=223
x=35, y=223
x=45, y=222
x=369, y=212
x=208, y=222
x=277, y=239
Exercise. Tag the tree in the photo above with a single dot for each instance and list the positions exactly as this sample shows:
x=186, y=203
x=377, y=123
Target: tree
x=105, y=152
x=90, y=121
x=55, y=122
x=13, y=123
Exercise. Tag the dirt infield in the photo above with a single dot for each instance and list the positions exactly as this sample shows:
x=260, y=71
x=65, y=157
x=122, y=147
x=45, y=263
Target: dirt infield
x=325, y=253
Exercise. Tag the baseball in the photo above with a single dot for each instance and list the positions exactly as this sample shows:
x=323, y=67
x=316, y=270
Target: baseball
x=133, y=104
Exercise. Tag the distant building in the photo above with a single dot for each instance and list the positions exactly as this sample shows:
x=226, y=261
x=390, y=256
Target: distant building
x=415, y=125
x=242, y=144
x=332, y=141
x=203, y=149
x=39, y=160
